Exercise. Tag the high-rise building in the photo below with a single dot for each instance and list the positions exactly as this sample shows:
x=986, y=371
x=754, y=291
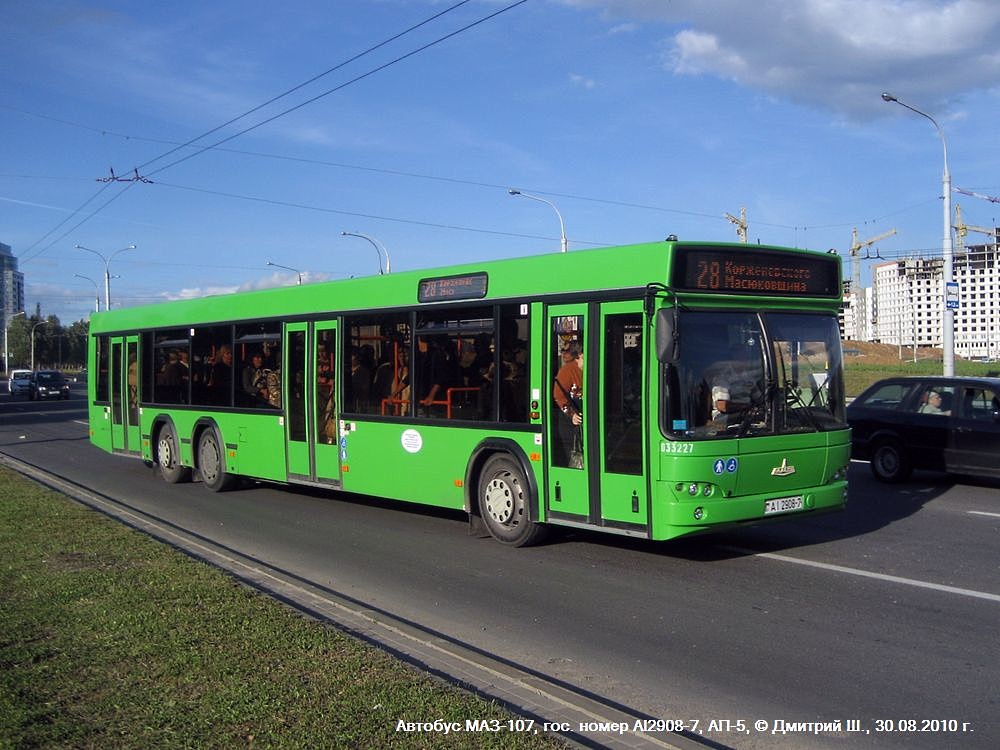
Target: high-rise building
x=907, y=302
x=11, y=284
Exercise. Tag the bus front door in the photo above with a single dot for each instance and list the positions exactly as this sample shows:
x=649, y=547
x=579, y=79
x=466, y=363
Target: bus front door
x=569, y=444
x=311, y=417
x=596, y=470
x=621, y=414
x=124, y=394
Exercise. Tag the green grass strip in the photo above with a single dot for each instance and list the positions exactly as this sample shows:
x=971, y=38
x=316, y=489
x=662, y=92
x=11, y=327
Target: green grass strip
x=109, y=639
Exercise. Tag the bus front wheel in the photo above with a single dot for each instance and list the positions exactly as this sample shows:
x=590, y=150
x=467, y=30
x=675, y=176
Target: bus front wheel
x=168, y=459
x=504, y=503
x=212, y=462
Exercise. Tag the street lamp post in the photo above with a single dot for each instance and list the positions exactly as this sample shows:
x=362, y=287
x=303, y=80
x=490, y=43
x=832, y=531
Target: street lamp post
x=107, y=270
x=287, y=268
x=379, y=249
x=563, y=243
x=97, y=298
x=948, y=314
x=40, y=323
x=6, y=330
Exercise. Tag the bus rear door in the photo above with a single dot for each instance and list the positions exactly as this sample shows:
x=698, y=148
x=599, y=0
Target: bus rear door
x=311, y=414
x=124, y=394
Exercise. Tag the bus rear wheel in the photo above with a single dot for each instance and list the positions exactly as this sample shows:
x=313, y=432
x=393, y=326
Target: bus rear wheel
x=168, y=458
x=504, y=503
x=212, y=462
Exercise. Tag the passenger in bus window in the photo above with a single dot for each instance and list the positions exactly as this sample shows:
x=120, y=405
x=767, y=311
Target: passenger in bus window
x=382, y=380
x=361, y=383
x=568, y=395
x=174, y=379
x=400, y=393
x=438, y=371
x=325, y=401
x=220, y=378
x=254, y=380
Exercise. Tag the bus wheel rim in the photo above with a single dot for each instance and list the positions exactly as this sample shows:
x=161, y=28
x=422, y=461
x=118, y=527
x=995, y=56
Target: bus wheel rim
x=209, y=460
x=164, y=450
x=499, y=498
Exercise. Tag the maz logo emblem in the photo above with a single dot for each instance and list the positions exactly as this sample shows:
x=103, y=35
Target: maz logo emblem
x=784, y=470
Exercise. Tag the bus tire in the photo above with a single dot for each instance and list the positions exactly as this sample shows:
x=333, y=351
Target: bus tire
x=890, y=463
x=168, y=457
x=505, y=503
x=212, y=462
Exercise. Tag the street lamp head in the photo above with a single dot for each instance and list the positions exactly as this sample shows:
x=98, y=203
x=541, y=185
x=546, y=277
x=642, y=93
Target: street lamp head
x=887, y=97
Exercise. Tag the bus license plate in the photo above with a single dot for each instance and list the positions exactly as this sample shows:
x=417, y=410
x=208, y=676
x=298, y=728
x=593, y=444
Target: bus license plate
x=782, y=505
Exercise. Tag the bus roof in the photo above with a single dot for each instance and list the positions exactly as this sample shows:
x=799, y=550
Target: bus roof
x=522, y=278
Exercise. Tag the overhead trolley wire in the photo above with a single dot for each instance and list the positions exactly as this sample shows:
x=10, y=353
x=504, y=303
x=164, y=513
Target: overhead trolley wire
x=292, y=90
x=344, y=85
x=92, y=214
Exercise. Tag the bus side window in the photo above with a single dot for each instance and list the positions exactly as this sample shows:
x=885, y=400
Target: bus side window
x=515, y=363
x=375, y=373
x=212, y=366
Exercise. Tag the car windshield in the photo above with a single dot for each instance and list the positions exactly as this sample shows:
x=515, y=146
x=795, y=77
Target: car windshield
x=48, y=377
x=743, y=374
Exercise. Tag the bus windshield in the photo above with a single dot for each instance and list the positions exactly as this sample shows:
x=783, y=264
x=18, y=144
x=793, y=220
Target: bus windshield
x=741, y=374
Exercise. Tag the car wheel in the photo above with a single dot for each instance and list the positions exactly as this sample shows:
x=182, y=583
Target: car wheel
x=890, y=463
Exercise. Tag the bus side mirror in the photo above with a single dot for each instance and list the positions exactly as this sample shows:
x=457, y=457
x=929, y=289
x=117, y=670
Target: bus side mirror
x=667, y=336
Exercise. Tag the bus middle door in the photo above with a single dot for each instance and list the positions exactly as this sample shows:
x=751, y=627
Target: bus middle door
x=124, y=395
x=311, y=414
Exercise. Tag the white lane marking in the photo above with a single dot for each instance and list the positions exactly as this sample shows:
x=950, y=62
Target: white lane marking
x=869, y=574
x=983, y=513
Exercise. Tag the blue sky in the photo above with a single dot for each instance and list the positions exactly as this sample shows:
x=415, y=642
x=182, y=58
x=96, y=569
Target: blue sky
x=637, y=118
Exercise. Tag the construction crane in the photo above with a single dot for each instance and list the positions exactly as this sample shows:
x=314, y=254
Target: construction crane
x=962, y=229
x=741, y=224
x=856, y=291
x=856, y=247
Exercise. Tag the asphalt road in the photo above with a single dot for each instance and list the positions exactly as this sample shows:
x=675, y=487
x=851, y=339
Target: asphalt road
x=886, y=614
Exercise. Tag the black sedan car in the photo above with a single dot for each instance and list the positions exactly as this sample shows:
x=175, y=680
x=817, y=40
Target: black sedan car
x=939, y=423
x=48, y=384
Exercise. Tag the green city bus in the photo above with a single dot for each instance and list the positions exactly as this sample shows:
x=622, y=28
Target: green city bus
x=712, y=390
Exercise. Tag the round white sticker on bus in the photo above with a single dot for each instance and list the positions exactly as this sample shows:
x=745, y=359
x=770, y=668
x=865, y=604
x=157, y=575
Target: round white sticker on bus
x=412, y=441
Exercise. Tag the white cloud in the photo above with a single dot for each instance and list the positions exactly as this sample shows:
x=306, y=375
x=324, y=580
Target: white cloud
x=269, y=281
x=838, y=54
